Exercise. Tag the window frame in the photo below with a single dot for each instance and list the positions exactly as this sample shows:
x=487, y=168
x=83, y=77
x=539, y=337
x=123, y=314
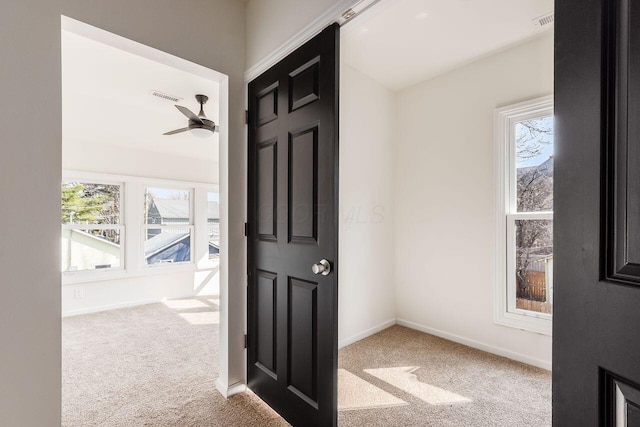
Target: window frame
x=190, y=226
x=505, y=311
x=211, y=262
x=80, y=275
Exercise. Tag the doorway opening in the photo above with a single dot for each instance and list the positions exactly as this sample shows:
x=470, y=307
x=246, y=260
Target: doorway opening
x=446, y=200
x=144, y=231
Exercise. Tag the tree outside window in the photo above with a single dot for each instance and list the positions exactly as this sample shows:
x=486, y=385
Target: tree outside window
x=534, y=193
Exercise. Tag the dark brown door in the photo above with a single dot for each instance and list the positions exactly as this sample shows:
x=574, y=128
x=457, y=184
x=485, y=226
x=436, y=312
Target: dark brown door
x=292, y=213
x=596, y=336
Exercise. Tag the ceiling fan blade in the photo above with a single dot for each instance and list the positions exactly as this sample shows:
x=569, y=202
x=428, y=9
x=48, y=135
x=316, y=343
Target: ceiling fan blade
x=188, y=113
x=173, y=132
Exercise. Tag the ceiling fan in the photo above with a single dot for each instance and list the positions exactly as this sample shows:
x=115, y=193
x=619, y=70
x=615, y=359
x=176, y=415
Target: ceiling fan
x=199, y=125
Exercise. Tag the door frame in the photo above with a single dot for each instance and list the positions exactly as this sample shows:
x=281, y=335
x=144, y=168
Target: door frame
x=225, y=340
x=342, y=12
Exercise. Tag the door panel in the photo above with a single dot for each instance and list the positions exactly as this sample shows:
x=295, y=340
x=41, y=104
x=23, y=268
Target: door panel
x=623, y=151
x=267, y=105
x=622, y=402
x=303, y=339
x=267, y=168
x=305, y=84
x=596, y=369
x=292, y=224
x=303, y=175
x=266, y=298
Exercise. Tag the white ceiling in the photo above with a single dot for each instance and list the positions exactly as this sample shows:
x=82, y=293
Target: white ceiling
x=402, y=42
x=106, y=100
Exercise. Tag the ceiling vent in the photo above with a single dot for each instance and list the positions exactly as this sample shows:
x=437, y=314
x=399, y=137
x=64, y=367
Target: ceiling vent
x=544, y=20
x=165, y=96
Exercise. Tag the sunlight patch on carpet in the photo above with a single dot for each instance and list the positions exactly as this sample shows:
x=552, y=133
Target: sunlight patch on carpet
x=178, y=304
x=356, y=393
x=201, y=318
x=405, y=379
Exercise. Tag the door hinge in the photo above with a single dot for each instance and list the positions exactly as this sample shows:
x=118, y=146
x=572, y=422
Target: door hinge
x=246, y=117
x=245, y=340
x=246, y=229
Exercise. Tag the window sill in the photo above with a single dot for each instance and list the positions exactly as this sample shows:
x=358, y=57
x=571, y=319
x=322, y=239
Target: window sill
x=147, y=271
x=525, y=322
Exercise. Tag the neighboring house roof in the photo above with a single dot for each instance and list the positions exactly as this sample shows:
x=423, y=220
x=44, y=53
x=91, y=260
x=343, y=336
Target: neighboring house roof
x=162, y=241
x=170, y=208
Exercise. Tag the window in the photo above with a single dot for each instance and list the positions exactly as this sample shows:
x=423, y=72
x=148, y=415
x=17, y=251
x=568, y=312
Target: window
x=524, y=146
x=213, y=224
x=92, y=229
x=168, y=226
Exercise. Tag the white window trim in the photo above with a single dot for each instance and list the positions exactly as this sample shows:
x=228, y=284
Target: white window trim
x=201, y=216
x=131, y=218
x=505, y=312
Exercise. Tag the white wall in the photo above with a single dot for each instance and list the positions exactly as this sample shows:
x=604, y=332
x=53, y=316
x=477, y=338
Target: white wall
x=445, y=211
x=124, y=292
x=366, y=250
x=110, y=159
x=210, y=33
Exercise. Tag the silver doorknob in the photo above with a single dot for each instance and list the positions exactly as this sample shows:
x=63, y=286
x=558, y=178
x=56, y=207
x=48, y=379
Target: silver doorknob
x=323, y=267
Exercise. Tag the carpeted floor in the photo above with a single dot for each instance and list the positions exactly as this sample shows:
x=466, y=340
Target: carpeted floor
x=155, y=365
x=443, y=384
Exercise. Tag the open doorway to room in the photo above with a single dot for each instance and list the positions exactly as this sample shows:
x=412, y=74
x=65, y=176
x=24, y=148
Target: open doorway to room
x=446, y=200
x=142, y=240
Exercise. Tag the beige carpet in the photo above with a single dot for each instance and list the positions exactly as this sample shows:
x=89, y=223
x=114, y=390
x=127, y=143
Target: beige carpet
x=356, y=393
x=444, y=384
x=155, y=365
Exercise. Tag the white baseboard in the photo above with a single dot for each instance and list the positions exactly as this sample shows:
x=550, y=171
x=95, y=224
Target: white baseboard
x=478, y=345
x=228, y=391
x=362, y=335
x=100, y=308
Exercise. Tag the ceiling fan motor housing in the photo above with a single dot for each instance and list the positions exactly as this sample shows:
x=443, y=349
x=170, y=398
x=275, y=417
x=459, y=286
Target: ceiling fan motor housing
x=206, y=123
x=202, y=99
